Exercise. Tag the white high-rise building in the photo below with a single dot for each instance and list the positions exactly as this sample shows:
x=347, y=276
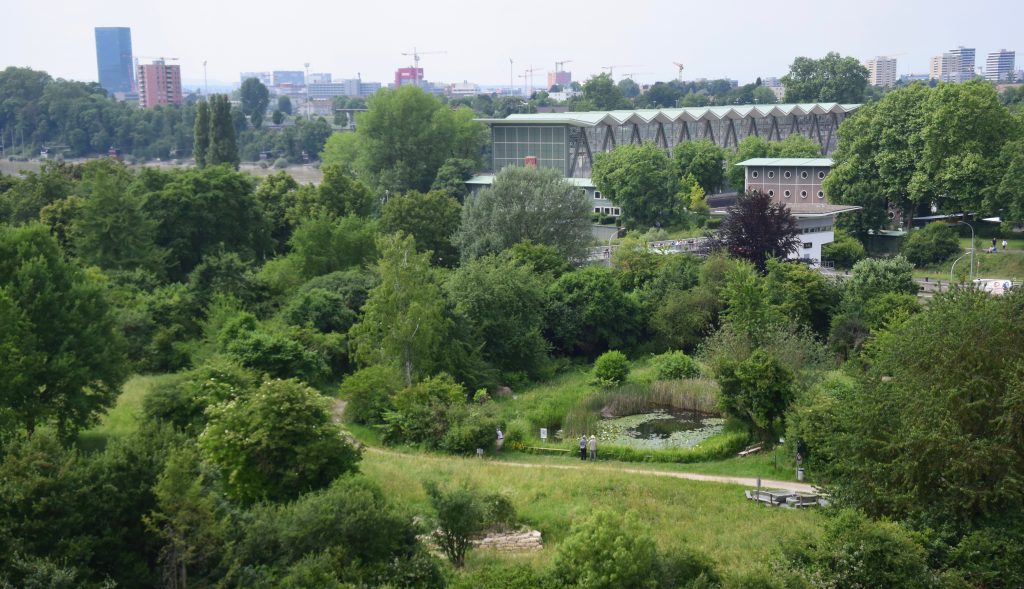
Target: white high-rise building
x=881, y=71
x=999, y=65
x=964, y=63
x=942, y=67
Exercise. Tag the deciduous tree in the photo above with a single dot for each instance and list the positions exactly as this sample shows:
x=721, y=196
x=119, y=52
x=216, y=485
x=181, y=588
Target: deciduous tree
x=756, y=229
x=525, y=204
x=832, y=78
x=60, y=348
x=639, y=179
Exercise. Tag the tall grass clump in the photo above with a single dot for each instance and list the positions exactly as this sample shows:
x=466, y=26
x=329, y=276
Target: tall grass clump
x=699, y=395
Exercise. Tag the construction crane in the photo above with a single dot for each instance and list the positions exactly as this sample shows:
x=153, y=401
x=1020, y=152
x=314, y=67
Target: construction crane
x=559, y=65
x=156, y=58
x=680, y=66
x=633, y=75
x=416, y=60
x=528, y=74
x=611, y=68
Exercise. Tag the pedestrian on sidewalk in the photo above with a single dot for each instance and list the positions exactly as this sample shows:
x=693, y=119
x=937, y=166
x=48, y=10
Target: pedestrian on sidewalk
x=1004, y=245
x=593, y=447
x=583, y=447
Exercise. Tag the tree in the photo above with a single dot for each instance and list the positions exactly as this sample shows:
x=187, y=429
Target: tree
x=452, y=176
x=639, y=179
x=113, y=230
x=965, y=128
x=757, y=391
x=255, y=99
x=1010, y=192
x=602, y=92
x=65, y=359
x=702, y=159
x=323, y=245
x=406, y=135
x=284, y=104
x=277, y=117
x=403, y=319
x=931, y=432
x=223, y=149
x=845, y=250
x=628, y=88
x=503, y=301
x=525, y=204
x=432, y=218
x=276, y=444
x=201, y=142
x=832, y=78
x=871, y=277
x=933, y=243
x=460, y=517
x=588, y=313
x=756, y=229
x=338, y=195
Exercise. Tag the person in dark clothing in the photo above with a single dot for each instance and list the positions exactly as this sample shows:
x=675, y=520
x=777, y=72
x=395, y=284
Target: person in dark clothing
x=583, y=447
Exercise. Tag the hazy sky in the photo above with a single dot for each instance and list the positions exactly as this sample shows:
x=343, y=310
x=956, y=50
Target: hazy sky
x=713, y=38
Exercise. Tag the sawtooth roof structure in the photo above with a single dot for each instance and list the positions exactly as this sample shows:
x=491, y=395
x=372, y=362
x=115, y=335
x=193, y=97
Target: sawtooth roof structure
x=567, y=141
x=672, y=115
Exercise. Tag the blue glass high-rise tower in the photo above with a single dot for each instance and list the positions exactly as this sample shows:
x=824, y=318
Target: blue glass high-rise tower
x=114, y=59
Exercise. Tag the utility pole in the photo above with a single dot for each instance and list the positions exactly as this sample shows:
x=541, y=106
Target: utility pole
x=306, y=84
x=206, y=85
x=510, y=77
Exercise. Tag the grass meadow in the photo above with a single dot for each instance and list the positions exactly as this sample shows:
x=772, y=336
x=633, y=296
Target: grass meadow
x=712, y=517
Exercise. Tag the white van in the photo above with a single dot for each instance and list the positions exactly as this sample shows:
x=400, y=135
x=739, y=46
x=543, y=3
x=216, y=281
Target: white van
x=995, y=286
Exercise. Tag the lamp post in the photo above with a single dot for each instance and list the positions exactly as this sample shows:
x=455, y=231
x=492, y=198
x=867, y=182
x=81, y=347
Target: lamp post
x=971, y=274
x=951, y=270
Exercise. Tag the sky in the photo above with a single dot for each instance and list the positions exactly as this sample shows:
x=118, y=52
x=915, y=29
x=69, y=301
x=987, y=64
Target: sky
x=713, y=39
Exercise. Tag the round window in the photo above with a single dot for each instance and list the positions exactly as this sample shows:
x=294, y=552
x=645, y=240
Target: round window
x=821, y=194
x=821, y=175
x=803, y=194
x=787, y=194
x=787, y=174
x=771, y=193
x=753, y=174
x=803, y=174
x=771, y=174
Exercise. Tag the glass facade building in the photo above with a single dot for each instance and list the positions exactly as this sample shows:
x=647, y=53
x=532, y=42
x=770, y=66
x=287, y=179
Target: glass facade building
x=114, y=59
x=511, y=144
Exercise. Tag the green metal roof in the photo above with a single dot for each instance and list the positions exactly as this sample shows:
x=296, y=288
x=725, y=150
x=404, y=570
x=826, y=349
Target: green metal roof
x=671, y=115
x=822, y=162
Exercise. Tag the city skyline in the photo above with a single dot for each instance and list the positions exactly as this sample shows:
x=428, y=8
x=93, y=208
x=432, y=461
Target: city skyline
x=233, y=38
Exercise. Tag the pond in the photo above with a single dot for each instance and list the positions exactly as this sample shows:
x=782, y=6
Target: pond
x=661, y=428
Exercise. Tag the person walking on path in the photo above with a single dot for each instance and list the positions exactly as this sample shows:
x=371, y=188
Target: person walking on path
x=501, y=440
x=593, y=447
x=1004, y=245
x=583, y=447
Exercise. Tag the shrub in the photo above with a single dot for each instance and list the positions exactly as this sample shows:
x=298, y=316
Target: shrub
x=500, y=575
x=933, y=243
x=844, y=251
x=607, y=551
x=687, y=567
x=460, y=516
x=517, y=433
x=675, y=366
x=611, y=367
x=499, y=513
x=368, y=392
x=470, y=427
x=280, y=163
x=277, y=354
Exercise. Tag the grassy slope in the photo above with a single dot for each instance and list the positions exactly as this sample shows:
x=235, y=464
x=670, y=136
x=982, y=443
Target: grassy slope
x=122, y=419
x=712, y=517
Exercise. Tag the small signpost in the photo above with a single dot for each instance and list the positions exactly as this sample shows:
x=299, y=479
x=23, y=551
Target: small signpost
x=544, y=433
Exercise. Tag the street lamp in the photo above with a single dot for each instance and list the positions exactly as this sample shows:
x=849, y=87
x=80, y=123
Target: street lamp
x=971, y=274
x=951, y=270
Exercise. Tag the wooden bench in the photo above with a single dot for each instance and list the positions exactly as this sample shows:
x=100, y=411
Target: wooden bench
x=749, y=451
x=540, y=450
